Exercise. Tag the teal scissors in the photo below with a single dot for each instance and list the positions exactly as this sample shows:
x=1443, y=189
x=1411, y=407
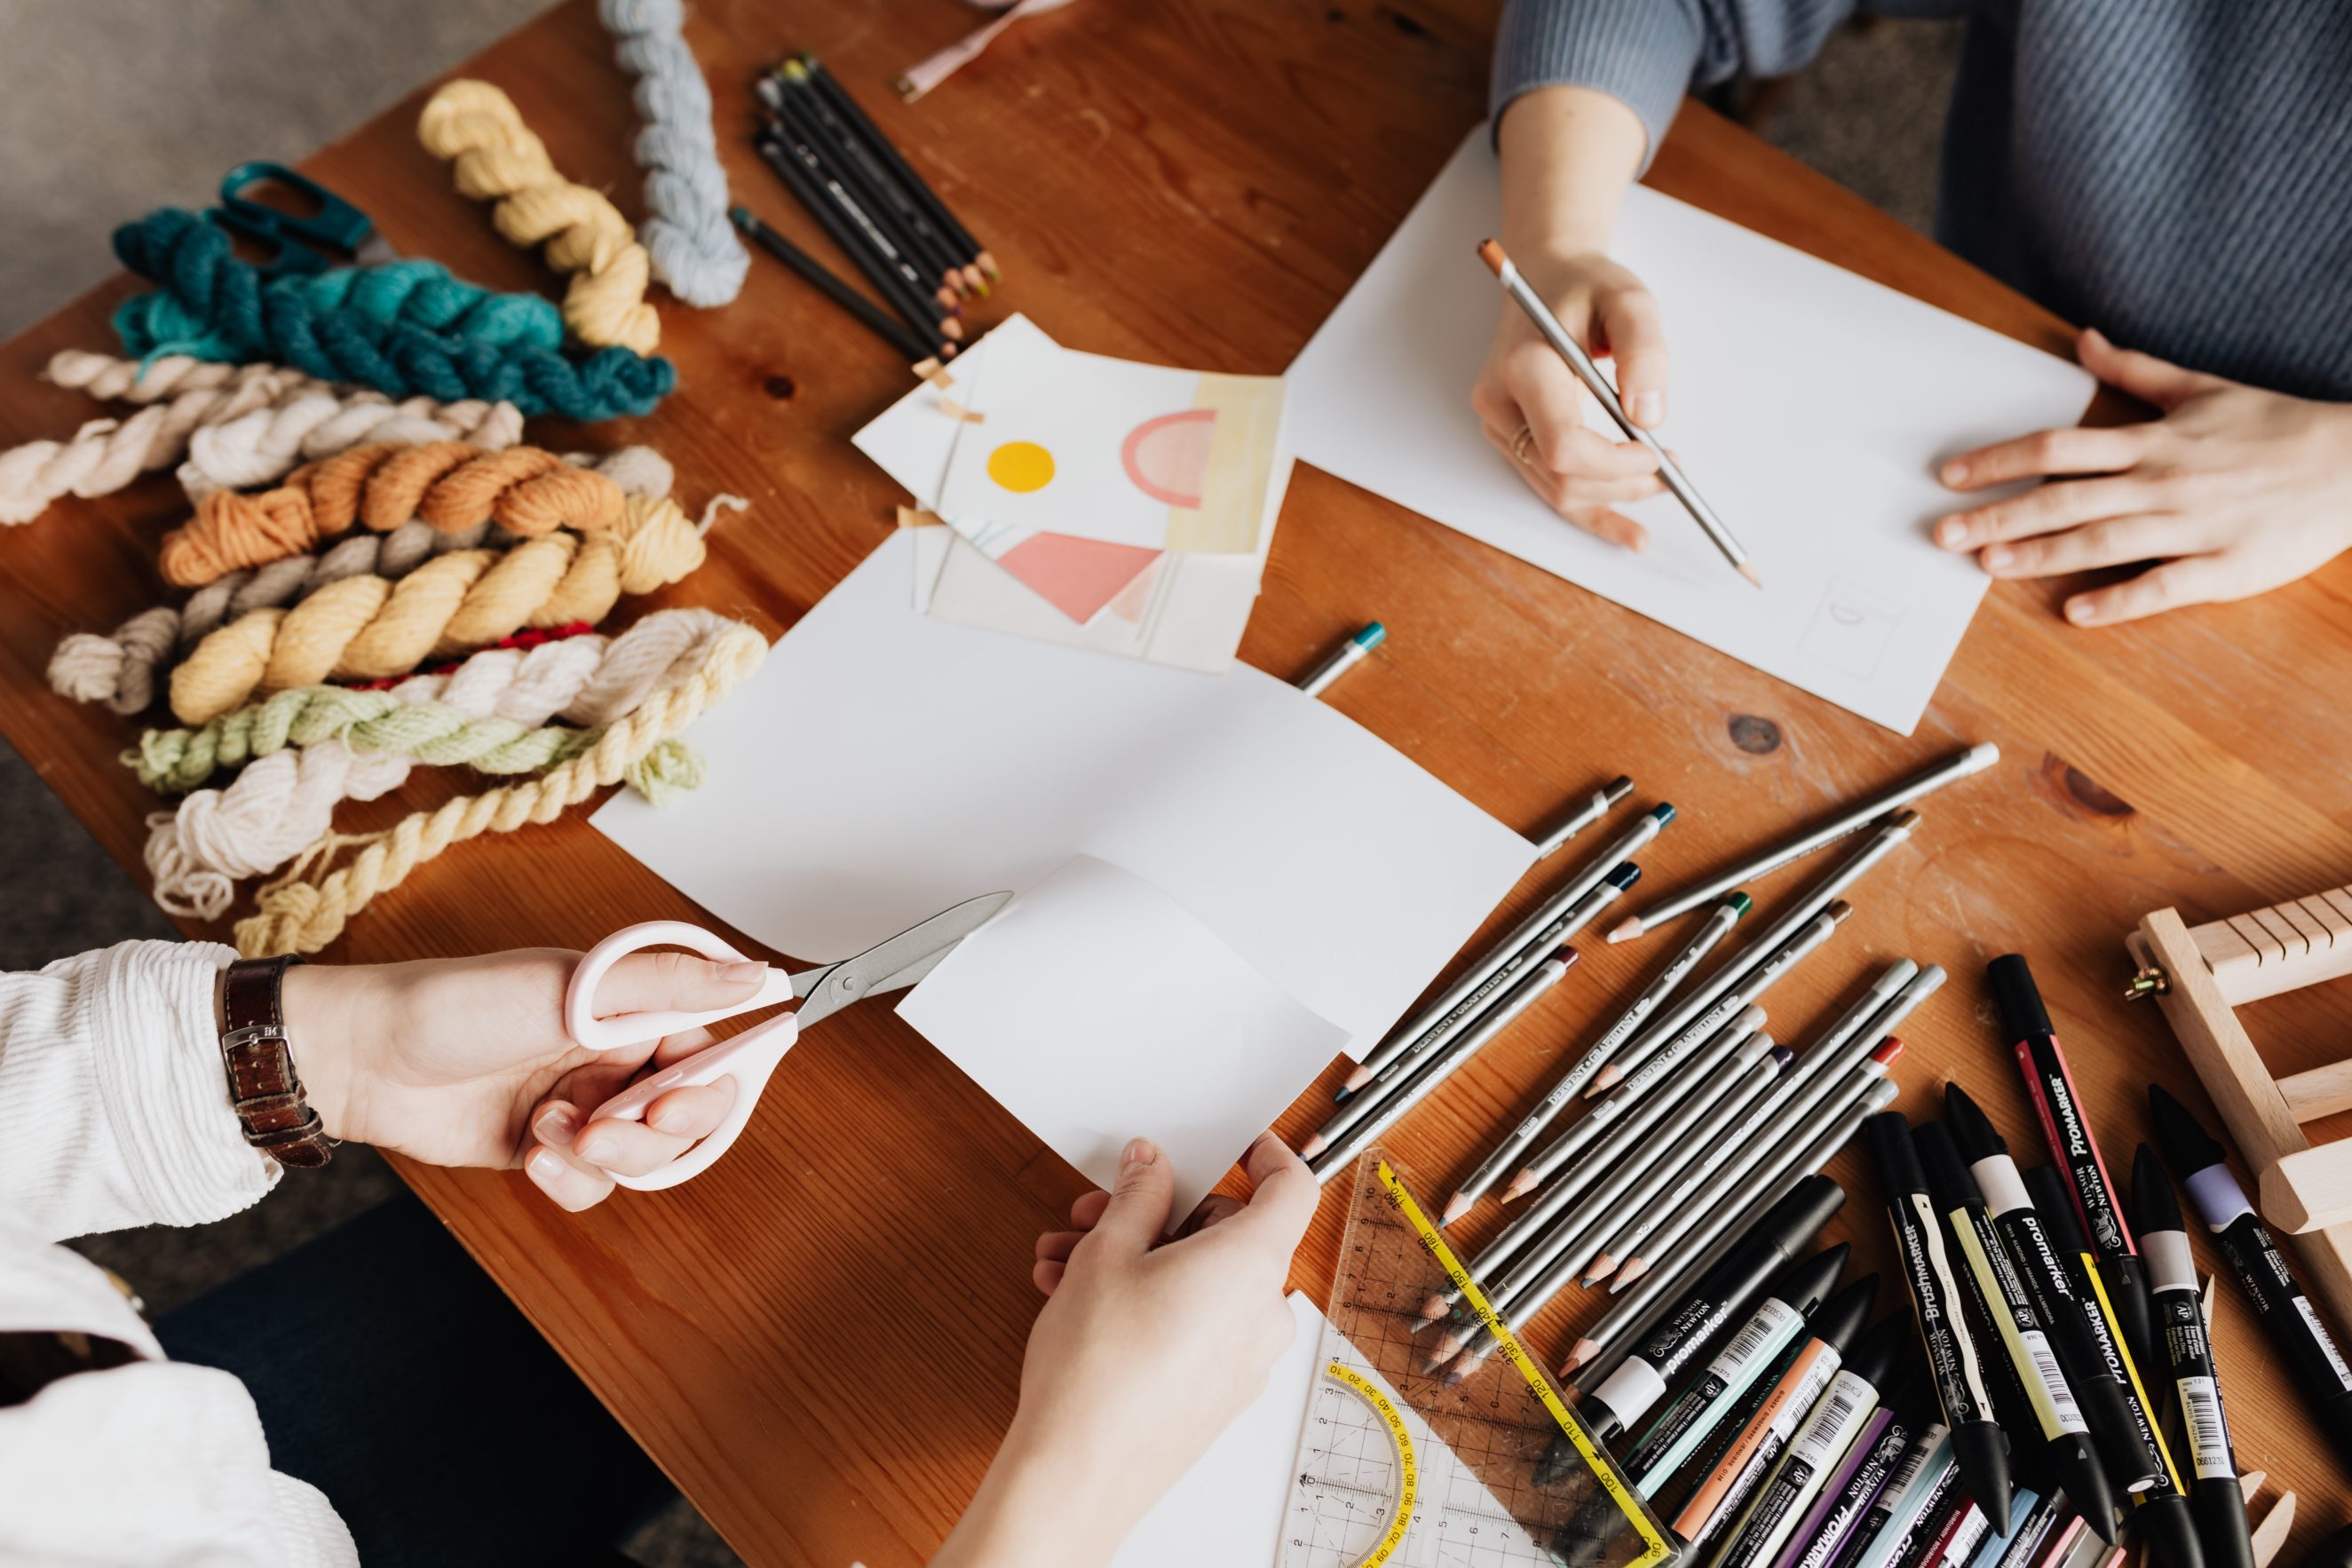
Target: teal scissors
x=750, y=1057
x=331, y=233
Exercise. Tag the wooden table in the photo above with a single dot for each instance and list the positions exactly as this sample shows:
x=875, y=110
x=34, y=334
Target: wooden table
x=1199, y=182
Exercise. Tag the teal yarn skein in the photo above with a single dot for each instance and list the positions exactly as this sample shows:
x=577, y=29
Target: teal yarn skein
x=408, y=293
x=229, y=300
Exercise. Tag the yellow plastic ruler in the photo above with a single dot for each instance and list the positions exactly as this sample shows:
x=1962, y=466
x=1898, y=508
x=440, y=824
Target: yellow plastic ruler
x=1395, y=1470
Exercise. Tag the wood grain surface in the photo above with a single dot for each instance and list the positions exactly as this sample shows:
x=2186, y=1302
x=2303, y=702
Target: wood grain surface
x=820, y=1341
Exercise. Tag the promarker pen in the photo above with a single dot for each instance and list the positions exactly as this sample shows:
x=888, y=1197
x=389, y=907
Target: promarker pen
x=1827, y=1535
x=2214, y=1496
x=1818, y=1447
x=2049, y=1085
x=2125, y=1434
x=2288, y=1319
x=2065, y=1436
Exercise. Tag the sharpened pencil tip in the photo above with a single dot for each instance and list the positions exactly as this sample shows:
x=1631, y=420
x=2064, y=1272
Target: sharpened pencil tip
x=1358, y=1078
x=1626, y=930
x=1521, y=1185
x=1433, y=1307
x=1456, y=1208
x=1582, y=1351
x=1634, y=1269
x=1312, y=1147
x=1602, y=1267
x=1455, y=1375
x=1747, y=570
x=1492, y=255
x=1604, y=1081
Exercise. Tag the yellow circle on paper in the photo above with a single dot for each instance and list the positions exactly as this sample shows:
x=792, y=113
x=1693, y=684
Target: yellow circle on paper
x=1021, y=466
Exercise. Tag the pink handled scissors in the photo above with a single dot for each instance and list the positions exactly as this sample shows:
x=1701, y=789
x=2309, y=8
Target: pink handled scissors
x=750, y=1057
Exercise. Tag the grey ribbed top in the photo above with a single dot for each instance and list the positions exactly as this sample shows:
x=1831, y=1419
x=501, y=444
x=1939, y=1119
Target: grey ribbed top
x=2176, y=173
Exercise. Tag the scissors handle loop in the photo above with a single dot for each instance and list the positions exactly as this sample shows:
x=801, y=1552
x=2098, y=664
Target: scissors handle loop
x=750, y=1058
x=302, y=242
x=580, y=1020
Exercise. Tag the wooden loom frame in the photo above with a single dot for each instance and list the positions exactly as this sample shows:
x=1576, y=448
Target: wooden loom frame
x=2200, y=974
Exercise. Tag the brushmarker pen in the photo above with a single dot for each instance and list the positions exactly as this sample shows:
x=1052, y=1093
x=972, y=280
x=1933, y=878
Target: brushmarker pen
x=2049, y=1085
x=2065, y=1436
x=2125, y=1436
x=2289, y=1320
x=1977, y=1443
x=1888, y=1532
x=2214, y=1496
x=1728, y=1485
x=2162, y=1511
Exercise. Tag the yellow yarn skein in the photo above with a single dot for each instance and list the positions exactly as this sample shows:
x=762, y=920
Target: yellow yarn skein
x=368, y=627
x=309, y=906
x=497, y=158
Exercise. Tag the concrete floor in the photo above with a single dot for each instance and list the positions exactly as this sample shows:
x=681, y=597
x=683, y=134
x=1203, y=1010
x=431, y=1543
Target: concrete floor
x=117, y=131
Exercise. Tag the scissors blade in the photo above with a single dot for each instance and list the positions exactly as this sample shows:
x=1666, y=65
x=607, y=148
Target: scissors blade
x=900, y=961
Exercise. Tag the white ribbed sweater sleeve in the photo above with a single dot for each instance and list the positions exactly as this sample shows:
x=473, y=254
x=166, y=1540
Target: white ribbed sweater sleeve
x=114, y=1108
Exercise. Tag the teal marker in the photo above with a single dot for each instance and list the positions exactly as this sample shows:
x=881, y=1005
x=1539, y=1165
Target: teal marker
x=1352, y=653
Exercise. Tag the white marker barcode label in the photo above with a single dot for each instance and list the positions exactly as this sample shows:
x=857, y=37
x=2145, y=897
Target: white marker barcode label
x=1765, y=1332
x=2326, y=1346
x=2208, y=1434
x=1830, y=1429
x=2068, y=1415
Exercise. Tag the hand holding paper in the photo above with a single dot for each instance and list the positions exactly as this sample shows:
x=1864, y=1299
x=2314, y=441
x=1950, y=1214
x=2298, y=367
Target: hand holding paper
x=1096, y=1008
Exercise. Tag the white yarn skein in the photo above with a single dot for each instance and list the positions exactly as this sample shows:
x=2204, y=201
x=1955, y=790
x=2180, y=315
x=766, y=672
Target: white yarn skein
x=693, y=245
x=105, y=455
x=284, y=802
x=266, y=444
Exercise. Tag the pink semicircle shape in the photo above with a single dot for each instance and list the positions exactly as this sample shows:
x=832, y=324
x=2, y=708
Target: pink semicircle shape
x=1168, y=457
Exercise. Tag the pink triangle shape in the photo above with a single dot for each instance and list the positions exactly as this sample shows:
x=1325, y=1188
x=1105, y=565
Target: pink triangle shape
x=1076, y=576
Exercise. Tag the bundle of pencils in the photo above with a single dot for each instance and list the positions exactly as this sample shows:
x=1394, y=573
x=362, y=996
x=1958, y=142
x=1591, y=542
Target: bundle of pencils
x=870, y=202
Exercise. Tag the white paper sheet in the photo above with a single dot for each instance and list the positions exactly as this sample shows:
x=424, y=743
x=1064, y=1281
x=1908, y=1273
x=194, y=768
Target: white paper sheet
x=885, y=764
x=1096, y=1009
x=1809, y=405
x=1227, y=1511
x=1199, y=604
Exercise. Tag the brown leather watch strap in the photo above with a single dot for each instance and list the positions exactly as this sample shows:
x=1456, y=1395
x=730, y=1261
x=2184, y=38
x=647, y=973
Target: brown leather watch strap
x=262, y=1082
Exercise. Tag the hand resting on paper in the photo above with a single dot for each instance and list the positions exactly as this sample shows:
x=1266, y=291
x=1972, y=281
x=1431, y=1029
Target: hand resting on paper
x=2233, y=491
x=1146, y=1351
x=464, y=1061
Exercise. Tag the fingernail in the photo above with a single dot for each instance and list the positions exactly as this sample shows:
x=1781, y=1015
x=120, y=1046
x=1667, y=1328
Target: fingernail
x=544, y=1167
x=1951, y=534
x=1956, y=472
x=1649, y=407
x=748, y=969
x=557, y=1124
x=2082, y=612
x=1140, y=1152
x=1997, y=557
x=662, y=1118
x=599, y=1149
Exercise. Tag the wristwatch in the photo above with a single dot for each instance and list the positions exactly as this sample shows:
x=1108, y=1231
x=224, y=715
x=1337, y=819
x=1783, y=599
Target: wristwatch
x=262, y=1083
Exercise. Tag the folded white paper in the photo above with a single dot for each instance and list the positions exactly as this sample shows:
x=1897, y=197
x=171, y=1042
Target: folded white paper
x=1096, y=1009
x=1810, y=407
x=884, y=764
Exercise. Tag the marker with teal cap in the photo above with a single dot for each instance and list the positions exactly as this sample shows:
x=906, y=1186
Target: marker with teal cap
x=1351, y=654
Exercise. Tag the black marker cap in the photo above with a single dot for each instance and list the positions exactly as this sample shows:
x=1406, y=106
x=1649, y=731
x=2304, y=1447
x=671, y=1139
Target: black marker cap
x=1796, y=1219
x=1972, y=1129
x=1875, y=1355
x=1913, y=1399
x=1898, y=1162
x=2188, y=1147
x=1842, y=1315
x=1804, y=1285
x=2019, y=999
x=2053, y=1203
x=2154, y=1205
x=1949, y=1181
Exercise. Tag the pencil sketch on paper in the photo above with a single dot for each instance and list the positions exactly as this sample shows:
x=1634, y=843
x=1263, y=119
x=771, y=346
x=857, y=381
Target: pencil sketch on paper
x=1851, y=630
